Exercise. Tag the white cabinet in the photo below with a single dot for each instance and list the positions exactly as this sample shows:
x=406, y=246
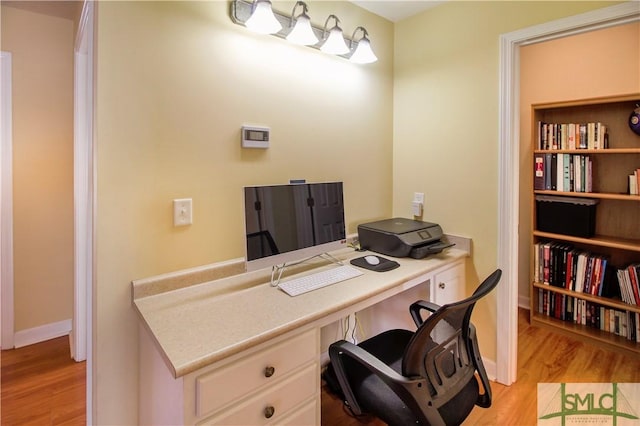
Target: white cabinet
x=258, y=371
x=260, y=388
x=305, y=415
x=277, y=382
x=448, y=285
x=272, y=403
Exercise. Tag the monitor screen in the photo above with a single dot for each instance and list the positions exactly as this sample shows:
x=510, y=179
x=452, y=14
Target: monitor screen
x=286, y=223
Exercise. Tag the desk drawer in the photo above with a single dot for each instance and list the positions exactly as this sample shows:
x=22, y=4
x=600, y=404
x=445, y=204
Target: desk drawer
x=216, y=389
x=275, y=402
x=307, y=415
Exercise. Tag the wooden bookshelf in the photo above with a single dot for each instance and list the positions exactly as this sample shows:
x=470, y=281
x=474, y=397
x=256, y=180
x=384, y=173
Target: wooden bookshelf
x=607, y=151
x=605, y=301
x=596, y=195
x=597, y=240
x=597, y=337
x=617, y=224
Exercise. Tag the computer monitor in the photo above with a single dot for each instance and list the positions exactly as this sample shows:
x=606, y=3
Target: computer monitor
x=291, y=222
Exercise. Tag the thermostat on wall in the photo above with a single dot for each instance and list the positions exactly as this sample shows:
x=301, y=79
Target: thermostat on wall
x=255, y=137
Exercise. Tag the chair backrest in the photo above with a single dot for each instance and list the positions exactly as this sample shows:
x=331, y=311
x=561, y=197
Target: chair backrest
x=442, y=350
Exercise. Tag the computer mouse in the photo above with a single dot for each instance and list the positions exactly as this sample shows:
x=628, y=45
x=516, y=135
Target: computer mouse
x=372, y=260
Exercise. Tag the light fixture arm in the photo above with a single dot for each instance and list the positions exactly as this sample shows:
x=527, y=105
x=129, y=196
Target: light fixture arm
x=365, y=34
x=361, y=53
x=305, y=10
x=324, y=31
x=301, y=32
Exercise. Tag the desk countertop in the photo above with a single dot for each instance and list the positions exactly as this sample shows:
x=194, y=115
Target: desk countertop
x=198, y=325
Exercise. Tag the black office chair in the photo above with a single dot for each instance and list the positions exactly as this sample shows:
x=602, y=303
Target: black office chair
x=426, y=377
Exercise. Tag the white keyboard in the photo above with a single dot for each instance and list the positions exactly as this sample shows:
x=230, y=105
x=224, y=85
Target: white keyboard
x=317, y=280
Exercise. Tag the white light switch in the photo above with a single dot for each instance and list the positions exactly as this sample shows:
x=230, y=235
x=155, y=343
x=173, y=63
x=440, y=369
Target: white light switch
x=418, y=203
x=182, y=212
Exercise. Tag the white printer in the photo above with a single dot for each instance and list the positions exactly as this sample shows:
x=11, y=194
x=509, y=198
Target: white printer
x=400, y=237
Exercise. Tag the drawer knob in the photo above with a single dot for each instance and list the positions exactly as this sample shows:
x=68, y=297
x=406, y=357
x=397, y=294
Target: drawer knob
x=269, y=411
x=269, y=371
x=442, y=285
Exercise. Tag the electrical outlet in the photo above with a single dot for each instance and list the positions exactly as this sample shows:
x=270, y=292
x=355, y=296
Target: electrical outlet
x=418, y=197
x=182, y=212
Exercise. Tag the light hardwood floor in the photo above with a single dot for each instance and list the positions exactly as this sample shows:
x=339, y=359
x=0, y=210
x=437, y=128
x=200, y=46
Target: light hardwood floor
x=42, y=385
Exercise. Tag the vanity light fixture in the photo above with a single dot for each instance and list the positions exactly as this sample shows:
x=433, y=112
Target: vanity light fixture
x=258, y=16
x=362, y=54
x=301, y=32
x=262, y=19
x=334, y=43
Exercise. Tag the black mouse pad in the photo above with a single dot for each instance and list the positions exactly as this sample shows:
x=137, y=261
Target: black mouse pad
x=384, y=265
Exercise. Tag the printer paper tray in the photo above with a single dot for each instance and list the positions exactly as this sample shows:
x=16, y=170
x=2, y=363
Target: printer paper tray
x=431, y=248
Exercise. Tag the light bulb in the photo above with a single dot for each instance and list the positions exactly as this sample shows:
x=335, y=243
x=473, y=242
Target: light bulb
x=335, y=42
x=302, y=33
x=262, y=20
x=363, y=53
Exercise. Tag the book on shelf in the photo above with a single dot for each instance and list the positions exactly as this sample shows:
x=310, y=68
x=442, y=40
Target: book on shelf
x=559, y=264
x=571, y=129
x=591, y=314
x=566, y=136
x=634, y=183
x=559, y=172
x=553, y=176
x=629, y=283
x=562, y=172
x=562, y=265
x=582, y=136
x=538, y=172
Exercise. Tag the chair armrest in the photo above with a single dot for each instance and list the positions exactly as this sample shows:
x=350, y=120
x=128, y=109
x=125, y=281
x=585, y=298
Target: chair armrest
x=397, y=382
x=484, y=399
x=416, y=308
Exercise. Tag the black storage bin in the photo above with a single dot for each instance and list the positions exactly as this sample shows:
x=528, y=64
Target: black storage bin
x=566, y=215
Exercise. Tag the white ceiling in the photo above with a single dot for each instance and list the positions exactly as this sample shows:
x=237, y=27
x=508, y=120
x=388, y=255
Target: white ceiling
x=396, y=10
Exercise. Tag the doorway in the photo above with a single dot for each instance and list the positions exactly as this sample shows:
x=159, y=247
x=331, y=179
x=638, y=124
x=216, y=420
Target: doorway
x=70, y=24
x=509, y=162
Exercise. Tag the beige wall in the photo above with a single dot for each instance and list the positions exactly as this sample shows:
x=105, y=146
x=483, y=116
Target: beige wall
x=42, y=61
x=446, y=122
x=175, y=81
x=595, y=64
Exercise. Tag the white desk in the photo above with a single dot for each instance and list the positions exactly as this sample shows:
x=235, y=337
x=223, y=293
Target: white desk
x=204, y=348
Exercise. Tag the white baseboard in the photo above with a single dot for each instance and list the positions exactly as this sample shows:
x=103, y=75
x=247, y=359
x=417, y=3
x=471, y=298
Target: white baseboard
x=41, y=333
x=490, y=367
x=523, y=302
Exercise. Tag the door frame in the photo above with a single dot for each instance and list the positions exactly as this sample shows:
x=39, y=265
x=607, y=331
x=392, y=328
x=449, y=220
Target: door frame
x=509, y=162
x=82, y=341
x=6, y=205
x=83, y=181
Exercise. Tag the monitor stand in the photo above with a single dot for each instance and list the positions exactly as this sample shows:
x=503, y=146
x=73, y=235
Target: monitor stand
x=279, y=269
